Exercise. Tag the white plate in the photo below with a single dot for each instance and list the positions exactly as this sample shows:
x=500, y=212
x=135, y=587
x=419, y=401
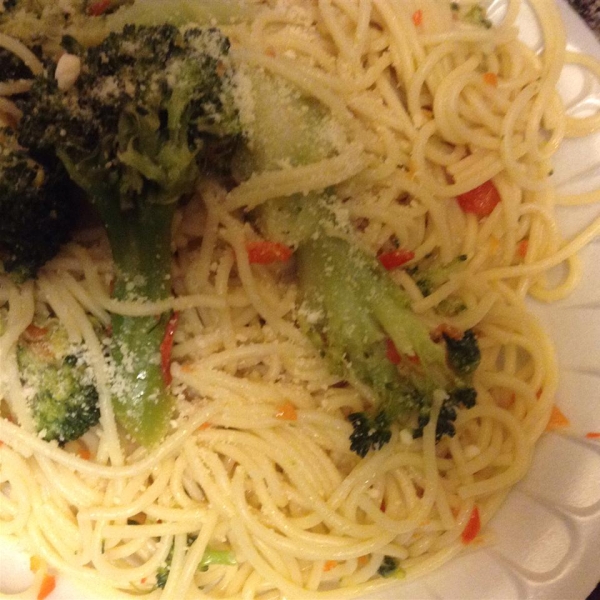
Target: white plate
x=548, y=530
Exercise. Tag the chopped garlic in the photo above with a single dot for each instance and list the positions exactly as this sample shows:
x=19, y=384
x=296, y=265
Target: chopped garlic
x=67, y=71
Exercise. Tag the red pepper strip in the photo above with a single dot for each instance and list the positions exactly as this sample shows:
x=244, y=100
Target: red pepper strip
x=98, y=8
x=557, y=419
x=593, y=435
x=473, y=527
x=395, y=258
x=481, y=200
x=392, y=353
x=166, y=347
x=264, y=252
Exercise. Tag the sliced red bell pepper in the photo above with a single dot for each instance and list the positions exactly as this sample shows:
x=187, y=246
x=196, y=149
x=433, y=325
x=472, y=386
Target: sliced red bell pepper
x=98, y=8
x=472, y=528
x=395, y=258
x=481, y=200
x=265, y=252
x=166, y=348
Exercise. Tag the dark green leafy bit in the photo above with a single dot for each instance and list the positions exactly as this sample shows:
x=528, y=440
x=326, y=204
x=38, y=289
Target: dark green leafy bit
x=36, y=207
x=463, y=354
x=151, y=111
x=389, y=566
x=477, y=15
x=464, y=397
x=59, y=387
x=369, y=434
x=12, y=67
x=474, y=14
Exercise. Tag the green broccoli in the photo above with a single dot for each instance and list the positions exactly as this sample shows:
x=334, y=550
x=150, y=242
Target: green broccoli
x=12, y=67
x=181, y=12
x=59, y=387
x=475, y=14
x=464, y=397
x=350, y=308
x=463, y=354
x=36, y=208
x=211, y=556
x=354, y=313
x=390, y=567
x=429, y=275
x=152, y=110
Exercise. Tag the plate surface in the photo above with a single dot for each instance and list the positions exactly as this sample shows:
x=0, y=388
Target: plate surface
x=546, y=533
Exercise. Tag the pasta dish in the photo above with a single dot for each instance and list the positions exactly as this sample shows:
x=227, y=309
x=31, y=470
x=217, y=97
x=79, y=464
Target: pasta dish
x=327, y=380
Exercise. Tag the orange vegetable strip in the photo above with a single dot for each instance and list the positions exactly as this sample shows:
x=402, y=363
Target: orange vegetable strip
x=490, y=79
x=557, y=419
x=330, y=564
x=84, y=452
x=48, y=585
x=286, y=412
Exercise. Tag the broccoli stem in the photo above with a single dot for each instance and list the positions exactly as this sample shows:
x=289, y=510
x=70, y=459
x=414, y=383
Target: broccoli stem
x=141, y=248
x=350, y=308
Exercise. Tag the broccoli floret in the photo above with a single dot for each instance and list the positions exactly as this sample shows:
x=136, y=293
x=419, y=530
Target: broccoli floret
x=477, y=15
x=390, y=568
x=459, y=397
x=37, y=210
x=211, y=556
x=350, y=308
x=429, y=275
x=61, y=394
x=369, y=433
x=463, y=354
x=151, y=111
x=12, y=67
x=352, y=311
